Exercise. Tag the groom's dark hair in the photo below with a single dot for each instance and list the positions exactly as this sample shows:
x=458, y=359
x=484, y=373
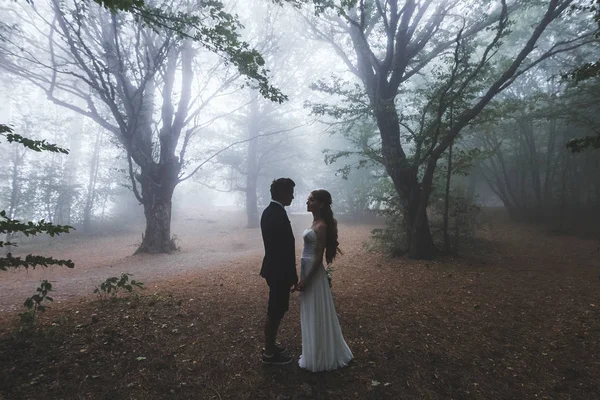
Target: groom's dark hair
x=280, y=187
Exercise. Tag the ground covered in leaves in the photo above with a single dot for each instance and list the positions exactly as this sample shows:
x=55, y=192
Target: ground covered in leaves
x=515, y=317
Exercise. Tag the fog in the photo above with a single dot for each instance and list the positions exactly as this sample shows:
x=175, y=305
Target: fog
x=460, y=143
x=160, y=118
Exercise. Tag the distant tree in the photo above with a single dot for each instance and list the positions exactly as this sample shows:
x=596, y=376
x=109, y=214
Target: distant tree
x=91, y=195
x=527, y=167
x=260, y=143
x=262, y=139
x=267, y=144
x=589, y=70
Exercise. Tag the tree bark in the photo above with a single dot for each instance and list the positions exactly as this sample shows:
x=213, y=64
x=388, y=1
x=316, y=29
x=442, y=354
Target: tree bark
x=406, y=182
x=447, y=202
x=421, y=245
x=157, y=194
x=158, y=178
x=157, y=236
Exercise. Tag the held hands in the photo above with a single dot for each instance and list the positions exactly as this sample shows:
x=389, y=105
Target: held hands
x=298, y=287
x=301, y=285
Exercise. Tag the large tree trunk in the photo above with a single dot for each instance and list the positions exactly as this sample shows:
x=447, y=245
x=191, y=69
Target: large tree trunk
x=159, y=178
x=447, y=202
x=420, y=245
x=157, y=236
x=157, y=209
x=420, y=242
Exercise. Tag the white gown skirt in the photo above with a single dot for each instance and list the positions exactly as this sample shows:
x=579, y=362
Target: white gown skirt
x=323, y=345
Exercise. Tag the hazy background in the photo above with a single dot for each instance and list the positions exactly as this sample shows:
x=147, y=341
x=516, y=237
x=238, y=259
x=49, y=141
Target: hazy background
x=521, y=162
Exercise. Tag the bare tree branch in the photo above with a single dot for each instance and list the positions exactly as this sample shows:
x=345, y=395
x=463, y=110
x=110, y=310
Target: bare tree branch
x=235, y=144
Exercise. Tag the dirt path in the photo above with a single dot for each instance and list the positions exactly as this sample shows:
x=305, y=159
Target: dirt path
x=206, y=242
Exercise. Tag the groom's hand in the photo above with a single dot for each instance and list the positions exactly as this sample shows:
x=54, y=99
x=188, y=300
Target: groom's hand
x=294, y=288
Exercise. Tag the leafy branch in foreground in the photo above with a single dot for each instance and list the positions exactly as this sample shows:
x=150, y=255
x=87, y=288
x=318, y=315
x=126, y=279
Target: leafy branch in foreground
x=213, y=27
x=10, y=226
x=31, y=261
x=35, y=145
x=29, y=228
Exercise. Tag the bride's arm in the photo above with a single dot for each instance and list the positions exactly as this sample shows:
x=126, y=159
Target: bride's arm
x=321, y=232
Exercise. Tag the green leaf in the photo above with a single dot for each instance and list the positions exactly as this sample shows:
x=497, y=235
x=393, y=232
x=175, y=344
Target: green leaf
x=35, y=145
x=120, y=5
x=31, y=261
x=215, y=29
x=5, y=129
x=9, y=225
x=28, y=303
x=581, y=144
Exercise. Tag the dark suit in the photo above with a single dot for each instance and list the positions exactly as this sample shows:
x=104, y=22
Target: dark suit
x=279, y=264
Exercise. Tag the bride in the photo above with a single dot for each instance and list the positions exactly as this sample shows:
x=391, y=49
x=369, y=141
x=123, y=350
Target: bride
x=323, y=346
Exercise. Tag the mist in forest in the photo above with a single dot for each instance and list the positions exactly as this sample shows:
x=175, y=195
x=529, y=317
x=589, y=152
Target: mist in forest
x=459, y=140
x=160, y=127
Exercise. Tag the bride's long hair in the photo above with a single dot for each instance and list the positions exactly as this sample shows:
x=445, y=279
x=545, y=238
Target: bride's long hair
x=332, y=245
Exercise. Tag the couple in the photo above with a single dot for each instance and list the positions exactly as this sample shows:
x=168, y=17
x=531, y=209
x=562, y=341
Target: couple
x=323, y=346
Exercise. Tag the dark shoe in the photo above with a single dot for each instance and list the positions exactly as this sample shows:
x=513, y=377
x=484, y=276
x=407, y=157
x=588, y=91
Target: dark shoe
x=278, y=349
x=276, y=359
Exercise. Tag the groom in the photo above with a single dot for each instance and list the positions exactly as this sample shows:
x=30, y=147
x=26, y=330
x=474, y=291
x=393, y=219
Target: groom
x=279, y=265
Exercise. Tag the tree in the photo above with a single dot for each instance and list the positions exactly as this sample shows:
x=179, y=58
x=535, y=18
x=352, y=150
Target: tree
x=391, y=43
x=266, y=145
x=113, y=61
x=93, y=174
x=262, y=138
x=259, y=142
x=588, y=70
x=537, y=178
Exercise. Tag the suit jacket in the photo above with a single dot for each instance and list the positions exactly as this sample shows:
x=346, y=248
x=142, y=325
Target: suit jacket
x=279, y=263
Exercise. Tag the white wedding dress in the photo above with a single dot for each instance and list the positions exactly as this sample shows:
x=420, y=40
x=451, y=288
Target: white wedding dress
x=323, y=346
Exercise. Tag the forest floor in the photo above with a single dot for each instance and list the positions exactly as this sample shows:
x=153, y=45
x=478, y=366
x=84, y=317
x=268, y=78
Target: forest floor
x=206, y=239
x=517, y=316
